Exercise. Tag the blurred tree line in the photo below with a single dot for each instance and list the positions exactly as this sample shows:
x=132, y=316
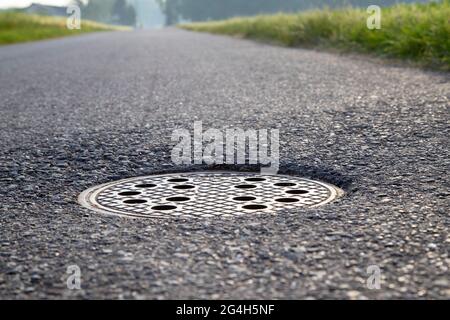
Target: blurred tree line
x=108, y=11
x=202, y=10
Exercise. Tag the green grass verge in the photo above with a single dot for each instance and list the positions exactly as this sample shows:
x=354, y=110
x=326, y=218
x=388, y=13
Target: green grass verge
x=413, y=32
x=20, y=27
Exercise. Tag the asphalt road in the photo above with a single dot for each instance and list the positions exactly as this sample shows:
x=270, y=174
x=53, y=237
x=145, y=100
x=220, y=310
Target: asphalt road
x=81, y=111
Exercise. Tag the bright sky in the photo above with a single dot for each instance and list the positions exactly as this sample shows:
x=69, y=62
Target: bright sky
x=26, y=3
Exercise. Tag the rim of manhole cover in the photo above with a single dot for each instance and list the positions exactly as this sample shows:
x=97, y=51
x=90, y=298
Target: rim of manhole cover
x=206, y=194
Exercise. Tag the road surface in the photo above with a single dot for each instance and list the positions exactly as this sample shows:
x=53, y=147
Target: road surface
x=81, y=111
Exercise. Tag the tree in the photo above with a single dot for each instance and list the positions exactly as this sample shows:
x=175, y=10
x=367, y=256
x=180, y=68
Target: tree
x=171, y=9
x=108, y=11
x=122, y=13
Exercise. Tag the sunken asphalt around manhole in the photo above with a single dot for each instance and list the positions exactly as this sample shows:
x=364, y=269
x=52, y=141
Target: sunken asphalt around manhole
x=206, y=194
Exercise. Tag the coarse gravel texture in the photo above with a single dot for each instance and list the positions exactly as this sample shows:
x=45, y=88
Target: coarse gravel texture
x=86, y=110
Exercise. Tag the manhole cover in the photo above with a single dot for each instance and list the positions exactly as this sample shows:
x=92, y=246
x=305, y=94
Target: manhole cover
x=206, y=194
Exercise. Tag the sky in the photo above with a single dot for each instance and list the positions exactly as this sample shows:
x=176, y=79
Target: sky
x=26, y=3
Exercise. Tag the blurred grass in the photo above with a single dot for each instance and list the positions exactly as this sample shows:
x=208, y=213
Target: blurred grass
x=413, y=32
x=20, y=27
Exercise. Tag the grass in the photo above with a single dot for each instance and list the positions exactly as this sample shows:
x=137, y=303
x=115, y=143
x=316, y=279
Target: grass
x=414, y=32
x=20, y=27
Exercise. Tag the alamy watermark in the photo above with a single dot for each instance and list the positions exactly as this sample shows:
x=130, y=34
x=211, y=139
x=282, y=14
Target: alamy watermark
x=74, y=279
x=374, y=19
x=74, y=20
x=228, y=148
x=374, y=279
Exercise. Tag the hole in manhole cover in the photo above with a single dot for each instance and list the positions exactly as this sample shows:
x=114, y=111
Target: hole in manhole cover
x=206, y=194
x=297, y=191
x=134, y=201
x=163, y=207
x=245, y=186
x=129, y=193
x=255, y=206
x=178, y=199
x=244, y=198
x=255, y=179
x=177, y=180
x=183, y=186
x=284, y=184
x=287, y=200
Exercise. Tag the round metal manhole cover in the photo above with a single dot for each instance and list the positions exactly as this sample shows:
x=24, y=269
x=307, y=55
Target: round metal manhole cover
x=206, y=194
